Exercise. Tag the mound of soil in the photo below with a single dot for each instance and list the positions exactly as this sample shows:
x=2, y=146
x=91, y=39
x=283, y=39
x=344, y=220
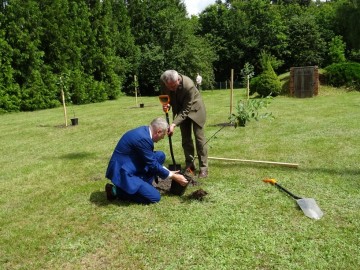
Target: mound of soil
x=198, y=194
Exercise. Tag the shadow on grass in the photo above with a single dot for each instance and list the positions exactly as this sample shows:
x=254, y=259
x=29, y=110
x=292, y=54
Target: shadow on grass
x=78, y=155
x=99, y=198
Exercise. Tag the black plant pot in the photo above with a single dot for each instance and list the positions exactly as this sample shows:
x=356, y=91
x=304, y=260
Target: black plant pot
x=177, y=189
x=141, y=105
x=242, y=122
x=74, y=121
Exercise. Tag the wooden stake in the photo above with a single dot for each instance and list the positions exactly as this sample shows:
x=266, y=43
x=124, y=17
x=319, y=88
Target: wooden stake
x=135, y=90
x=231, y=90
x=247, y=86
x=64, y=105
x=293, y=165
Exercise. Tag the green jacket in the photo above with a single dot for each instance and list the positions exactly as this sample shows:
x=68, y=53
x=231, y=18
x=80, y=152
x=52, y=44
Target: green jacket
x=186, y=101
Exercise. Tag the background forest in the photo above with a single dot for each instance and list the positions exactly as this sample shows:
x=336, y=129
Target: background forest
x=93, y=49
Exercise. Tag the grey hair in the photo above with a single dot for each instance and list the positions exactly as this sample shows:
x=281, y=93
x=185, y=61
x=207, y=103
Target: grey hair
x=159, y=123
x=169, y=76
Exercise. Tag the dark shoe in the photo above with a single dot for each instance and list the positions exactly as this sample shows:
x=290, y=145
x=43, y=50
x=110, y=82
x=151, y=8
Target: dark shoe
x=203, y=173
x=109, y=194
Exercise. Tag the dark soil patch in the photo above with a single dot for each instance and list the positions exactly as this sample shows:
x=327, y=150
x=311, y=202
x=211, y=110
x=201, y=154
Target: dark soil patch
x=198, y=195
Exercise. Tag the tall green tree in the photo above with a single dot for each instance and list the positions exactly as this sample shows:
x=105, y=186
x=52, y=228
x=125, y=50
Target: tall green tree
x=125, y=48
x=215, y=25
x=166, y=38
x=240, y=29
x=348, y=15
x=23, y=32
x=65, y=41
x=9, y=90
x=306, y=45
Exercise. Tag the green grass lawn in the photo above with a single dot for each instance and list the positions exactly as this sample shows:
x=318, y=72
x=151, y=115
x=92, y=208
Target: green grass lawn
x=54, y=214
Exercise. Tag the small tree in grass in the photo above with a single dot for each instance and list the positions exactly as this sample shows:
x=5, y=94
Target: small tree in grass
x=247, y=72
x=250, y=109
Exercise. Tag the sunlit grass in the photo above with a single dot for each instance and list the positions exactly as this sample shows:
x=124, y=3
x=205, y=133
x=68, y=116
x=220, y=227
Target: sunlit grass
x=54, y=214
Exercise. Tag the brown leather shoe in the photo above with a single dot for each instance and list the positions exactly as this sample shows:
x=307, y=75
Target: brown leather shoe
x=109, y=194
x=203, y=173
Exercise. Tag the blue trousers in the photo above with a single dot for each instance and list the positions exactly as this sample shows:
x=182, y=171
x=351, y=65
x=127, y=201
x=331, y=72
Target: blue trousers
x=146, y=193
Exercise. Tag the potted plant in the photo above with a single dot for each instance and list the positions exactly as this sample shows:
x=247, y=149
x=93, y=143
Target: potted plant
x=250, y=109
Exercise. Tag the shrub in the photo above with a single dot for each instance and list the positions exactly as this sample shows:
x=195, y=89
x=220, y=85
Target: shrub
x=267, y=83
x=343, y=74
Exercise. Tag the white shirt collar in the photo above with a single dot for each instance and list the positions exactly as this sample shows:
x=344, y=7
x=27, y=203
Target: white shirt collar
x=150, y=132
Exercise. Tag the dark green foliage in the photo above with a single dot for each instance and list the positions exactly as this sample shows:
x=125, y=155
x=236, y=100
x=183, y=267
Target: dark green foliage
x=306, y=45
x=344, y=74
x=167, y=41
x=254, y=82
x=239, y=31
x=102, y=45
x=90, y=41
x=348, y=15
x=35, y=94
x=300, y=2
x=152, y=56
x=9, y=89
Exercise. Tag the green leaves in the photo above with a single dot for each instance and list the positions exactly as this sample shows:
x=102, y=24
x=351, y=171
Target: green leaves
x=250, y=109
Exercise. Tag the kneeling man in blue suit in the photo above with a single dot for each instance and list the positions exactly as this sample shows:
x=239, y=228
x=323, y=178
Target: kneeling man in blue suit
x=134, y=164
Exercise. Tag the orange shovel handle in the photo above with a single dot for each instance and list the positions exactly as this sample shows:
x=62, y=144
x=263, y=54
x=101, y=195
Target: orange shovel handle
x=270, y=180
x=165, y=100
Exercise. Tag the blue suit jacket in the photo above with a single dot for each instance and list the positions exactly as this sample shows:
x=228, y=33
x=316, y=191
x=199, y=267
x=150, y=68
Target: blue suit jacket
x=134, y=161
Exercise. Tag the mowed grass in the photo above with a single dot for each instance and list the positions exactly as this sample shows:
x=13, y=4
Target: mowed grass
x=54, y=213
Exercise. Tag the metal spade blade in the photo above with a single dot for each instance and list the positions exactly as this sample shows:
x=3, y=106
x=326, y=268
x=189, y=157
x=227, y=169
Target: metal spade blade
x=310, y=208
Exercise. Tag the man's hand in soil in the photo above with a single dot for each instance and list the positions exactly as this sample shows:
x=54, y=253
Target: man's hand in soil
x=179, y=178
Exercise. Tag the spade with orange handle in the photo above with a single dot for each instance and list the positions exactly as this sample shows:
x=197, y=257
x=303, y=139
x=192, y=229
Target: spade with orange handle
x=165, y=100
x=307, y=205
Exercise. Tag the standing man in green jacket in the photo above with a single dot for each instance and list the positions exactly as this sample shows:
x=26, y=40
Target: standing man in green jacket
x=189, y=114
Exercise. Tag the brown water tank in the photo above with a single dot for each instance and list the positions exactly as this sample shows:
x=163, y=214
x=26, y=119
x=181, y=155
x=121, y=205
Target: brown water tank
x=304, y=81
